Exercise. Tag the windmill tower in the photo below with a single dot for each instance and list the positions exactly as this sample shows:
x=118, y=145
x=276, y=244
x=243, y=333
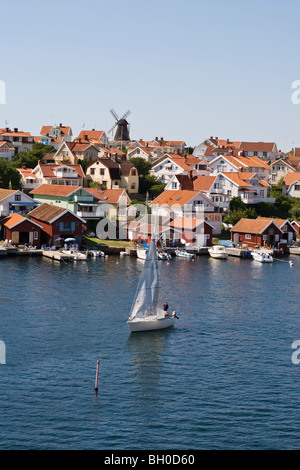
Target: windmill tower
x=122, y=132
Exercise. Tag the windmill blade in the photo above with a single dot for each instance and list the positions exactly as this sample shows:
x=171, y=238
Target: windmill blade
x=113, y=112
x=110, y=130
x=126, y=114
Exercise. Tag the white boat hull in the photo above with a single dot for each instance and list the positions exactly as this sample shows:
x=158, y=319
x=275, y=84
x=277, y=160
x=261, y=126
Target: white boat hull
x=151, y=324
x=262, y=257
x=184, y=254
x=219, y=255
x=141, y=254
x=218, y=252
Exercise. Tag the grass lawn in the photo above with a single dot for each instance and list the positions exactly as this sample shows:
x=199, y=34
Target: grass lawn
x=115, y=243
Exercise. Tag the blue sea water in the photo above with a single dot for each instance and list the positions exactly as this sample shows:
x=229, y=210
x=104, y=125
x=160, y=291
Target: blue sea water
x=222, y=378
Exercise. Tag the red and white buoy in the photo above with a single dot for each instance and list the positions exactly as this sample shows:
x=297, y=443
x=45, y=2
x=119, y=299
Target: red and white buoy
x=97, y=375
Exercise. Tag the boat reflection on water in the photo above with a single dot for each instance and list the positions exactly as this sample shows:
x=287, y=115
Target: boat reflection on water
x=147, y=350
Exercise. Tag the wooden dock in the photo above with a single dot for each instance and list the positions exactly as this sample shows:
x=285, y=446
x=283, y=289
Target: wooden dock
x=57, y=255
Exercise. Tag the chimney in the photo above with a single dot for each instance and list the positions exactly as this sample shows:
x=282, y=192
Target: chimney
x=85, y=137
x=15, y=129
x=7, y=129
x=60, y=125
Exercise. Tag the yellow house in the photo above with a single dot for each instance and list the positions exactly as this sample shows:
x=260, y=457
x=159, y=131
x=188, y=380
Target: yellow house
x=114, y=175
x=71, y=152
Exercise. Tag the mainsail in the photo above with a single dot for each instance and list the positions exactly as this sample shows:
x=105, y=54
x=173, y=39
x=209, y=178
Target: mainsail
x=147, y=294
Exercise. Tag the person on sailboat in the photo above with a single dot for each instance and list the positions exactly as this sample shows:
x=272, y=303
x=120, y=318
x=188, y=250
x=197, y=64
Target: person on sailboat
x=166, y=309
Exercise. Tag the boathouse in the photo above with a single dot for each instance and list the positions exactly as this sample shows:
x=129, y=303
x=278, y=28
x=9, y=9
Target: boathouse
x=57, y=224
x=21, y=230
x=257, y=233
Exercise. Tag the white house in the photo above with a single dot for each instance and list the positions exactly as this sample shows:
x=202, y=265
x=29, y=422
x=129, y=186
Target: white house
x=245, y=185
x=279, y=169
x=12, y=201
x=240, y=163
x=172, y=164
x=21, y=141
x=7, y=150
x=178, y=203
x=264, y=150
x=291, y=184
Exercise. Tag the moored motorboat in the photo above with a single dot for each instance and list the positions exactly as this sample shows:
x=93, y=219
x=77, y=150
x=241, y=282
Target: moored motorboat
x=164, y=256
x=262, y=257
x=218, y=251
x=75, y=254
x=184, y=254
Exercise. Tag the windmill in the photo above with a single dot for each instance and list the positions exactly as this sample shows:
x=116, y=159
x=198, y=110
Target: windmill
x=122, y=132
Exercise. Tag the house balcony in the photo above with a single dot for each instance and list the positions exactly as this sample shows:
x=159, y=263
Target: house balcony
x=257, y=199
x=88, y=214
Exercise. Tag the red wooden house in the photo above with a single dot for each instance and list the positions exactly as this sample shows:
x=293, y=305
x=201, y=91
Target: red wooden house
x=256, y=232
x=21, y=230
x=57, y=223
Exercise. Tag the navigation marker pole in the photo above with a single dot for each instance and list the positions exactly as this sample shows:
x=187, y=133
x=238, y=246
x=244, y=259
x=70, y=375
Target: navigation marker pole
x=97, y=374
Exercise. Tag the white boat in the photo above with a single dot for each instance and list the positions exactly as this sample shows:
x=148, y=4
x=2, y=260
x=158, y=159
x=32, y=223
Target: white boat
x=184, y=254
x=96, y=253
x=164, y=256
x=146, y=314
x=218, y=251
x=75, y=254
x=141, y=254
x=262, y=257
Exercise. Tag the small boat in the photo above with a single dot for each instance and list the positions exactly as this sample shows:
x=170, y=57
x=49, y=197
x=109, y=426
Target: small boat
x=218, y=251
x=228, y=243
x=184, y=254
x=164, y=256
x=141, y=254
x=124, y=253
x=96, y=253
x=75, y=254
x=146, y=314
x=262, y=257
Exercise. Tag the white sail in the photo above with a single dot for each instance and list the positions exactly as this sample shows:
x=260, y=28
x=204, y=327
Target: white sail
x=147, y=295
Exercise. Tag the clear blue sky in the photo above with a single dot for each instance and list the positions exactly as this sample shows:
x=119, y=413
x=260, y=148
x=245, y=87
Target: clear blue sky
x=186, y=69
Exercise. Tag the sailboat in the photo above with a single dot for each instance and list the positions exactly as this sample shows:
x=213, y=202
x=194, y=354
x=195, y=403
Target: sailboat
x=146, y=314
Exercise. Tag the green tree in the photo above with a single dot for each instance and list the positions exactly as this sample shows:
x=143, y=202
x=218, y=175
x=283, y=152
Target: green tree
x=31, y=158
x=142, y=165
x=9, y=176
x=294, y=212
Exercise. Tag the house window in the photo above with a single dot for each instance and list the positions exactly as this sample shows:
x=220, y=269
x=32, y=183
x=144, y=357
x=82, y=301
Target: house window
x=271, y=231
x=276, y=238
x=297, y=187
x=102, y=171
x=265, y=154
x=265, y=237
x=133, y=172
x=284, y=228
x=262, y=193
x=17, y=197
x=132, y=185
x=248, y=236
x=174, y=185
x=35, y=235
x=92, y=171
